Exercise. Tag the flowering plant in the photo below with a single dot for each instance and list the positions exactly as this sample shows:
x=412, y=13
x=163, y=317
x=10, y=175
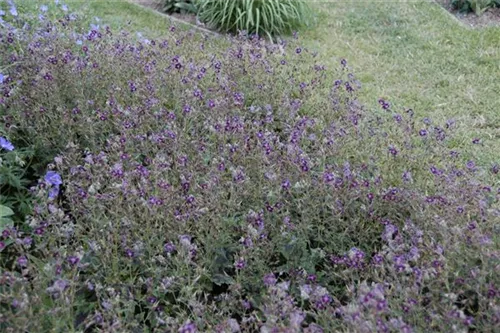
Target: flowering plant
x=195, y=187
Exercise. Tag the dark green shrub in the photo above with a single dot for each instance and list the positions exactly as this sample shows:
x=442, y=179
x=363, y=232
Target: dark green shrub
x=177, y=6
x=476, y=6
x=261, y=17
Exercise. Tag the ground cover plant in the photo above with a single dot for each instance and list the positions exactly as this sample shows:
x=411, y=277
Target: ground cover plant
x=476, y=6
x=412, y=52
x=236, y=189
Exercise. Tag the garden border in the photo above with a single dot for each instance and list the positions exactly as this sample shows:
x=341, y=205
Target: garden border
x=460, y=22
x=171, y=18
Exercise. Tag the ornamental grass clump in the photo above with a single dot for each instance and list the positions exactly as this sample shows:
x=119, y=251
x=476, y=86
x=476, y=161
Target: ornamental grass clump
x=195, y=188
x=262, y=17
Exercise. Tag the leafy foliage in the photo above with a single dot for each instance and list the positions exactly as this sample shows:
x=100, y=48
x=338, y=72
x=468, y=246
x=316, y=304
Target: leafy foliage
x=261, y=17
x=194, y=188
x=177, y=6
x=16, y=174
x=6, y=217
x=476, y=6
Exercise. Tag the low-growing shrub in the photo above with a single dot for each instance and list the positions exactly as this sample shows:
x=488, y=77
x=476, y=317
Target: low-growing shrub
x=476, y=6
x=262, y=17
x=177, y=6
x=195, y=188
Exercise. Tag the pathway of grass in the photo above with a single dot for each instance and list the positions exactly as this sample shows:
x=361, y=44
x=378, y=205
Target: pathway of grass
x=414, y=54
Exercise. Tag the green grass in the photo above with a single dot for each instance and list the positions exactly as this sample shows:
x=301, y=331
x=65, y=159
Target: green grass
x=418, y=56
x=414, y=54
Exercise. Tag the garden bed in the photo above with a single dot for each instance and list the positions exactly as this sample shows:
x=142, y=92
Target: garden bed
x=204, y=184
x=188, y=18
x=490, y=17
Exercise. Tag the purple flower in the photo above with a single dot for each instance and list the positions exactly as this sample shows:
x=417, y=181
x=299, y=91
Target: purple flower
x=393, y=151
x=407, y=176
x=129, y=253
x=169, y=247
x=53, y=178
x=390, y=232
x=188, y=327
x=435, y=171
x=384, y=104
x=6, y=144
x=269, y=280
x=298, y=50
x=492, y=292
x=22, y=261
x=132, y=87
x=1, y=76
x=185, y=240
x=422, y=132
x=377, y=259
x=495, y=169
x=471, y=165
x=240, y=263
x=53, y=192
x=13, y=10
x=58, y=287
x=73, y=260
x=190, y=199
x=155, y=201
x=328, y=177
x=28, y=241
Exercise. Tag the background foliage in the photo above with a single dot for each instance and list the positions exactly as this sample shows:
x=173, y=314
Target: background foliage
x=262, y=17
x=177, y=6
x=476, y=6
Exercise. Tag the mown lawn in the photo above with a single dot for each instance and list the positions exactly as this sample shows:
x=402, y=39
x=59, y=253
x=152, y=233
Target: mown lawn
x=418, y=56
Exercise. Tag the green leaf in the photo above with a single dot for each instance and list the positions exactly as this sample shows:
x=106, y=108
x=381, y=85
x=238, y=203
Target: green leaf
x=188, y=7
x=13, y=181
x=5, y=223
x=220, y=279
x=5, y=211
